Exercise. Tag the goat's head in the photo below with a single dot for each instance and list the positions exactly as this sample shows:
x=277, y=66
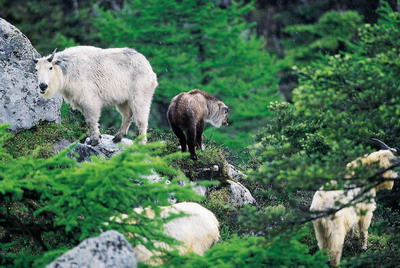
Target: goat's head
x=385, y=158
x=48, y=75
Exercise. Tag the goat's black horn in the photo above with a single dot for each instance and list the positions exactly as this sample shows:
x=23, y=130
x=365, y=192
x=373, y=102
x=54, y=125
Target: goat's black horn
x=50, y=59
x=382, y=145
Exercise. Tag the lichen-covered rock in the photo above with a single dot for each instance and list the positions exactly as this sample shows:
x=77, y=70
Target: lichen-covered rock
x=60, y=145
x=105, y=148
x=20, y=103
x=109, y=249
x=234, y=173
x=240, y=195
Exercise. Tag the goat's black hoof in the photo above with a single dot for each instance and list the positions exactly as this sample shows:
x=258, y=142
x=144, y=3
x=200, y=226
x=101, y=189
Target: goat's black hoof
x=117, y=138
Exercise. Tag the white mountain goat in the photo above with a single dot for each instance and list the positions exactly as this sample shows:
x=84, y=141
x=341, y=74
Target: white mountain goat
x=332, y=230
x=197, y=231
x=90, y=78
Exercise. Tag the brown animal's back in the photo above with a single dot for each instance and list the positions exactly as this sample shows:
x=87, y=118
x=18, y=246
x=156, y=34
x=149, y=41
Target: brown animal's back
x=189, y=108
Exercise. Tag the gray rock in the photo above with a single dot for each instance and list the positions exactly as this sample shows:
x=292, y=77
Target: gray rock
x=240, y=195
x=105, y=148
x=214, y=168
x=109, y=249
x=153, y=178
x=60, y=145
x=20, y=103
x=108, y=147
x=234, y=173
x=200, y=190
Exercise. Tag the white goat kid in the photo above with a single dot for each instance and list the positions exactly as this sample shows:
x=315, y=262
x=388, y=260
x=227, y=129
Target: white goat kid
x=332, y=230
x=90, y=78
x=197, y=231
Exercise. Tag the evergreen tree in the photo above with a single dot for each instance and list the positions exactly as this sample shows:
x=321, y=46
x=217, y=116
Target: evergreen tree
x=338, y=106
x=194, y=44
x=309, y=42
x=51, y=24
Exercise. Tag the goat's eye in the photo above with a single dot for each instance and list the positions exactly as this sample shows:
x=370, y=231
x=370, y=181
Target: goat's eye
x=51, y=68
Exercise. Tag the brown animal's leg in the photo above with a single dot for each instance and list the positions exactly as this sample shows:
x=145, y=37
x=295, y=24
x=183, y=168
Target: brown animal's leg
x=199, y=133
x=191, y=141
x=181, y=136
x=126, y=113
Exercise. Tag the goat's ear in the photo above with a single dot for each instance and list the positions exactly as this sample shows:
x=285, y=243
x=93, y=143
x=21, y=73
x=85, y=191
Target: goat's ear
x=225, y=109
x=58, y=62
x=35, y=60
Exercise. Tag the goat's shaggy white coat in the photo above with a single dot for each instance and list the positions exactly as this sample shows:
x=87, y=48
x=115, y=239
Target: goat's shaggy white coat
x=332, y=230
x=198, y=230
x=90, y=78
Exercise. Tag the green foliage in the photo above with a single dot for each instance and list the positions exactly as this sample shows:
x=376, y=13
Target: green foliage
x=49, y=204
x=218, y=201
x=350, y=89
x=43, y=22
x=308, y=42
x=194, y=44
x=340, y=103
x=255, y=252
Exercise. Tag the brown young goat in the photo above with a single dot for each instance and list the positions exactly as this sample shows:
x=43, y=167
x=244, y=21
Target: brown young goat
x=188, y=113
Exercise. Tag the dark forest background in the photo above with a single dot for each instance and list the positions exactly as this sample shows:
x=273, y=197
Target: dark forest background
x=245, y=75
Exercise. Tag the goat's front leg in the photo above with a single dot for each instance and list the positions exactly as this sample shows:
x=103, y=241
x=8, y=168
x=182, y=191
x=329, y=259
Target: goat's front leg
x=92, y=116
x=364, y=224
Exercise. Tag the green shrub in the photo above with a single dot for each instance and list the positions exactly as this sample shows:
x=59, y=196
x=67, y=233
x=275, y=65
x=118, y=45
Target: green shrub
x=340, y=103
x=51, y=204
x=255, y=252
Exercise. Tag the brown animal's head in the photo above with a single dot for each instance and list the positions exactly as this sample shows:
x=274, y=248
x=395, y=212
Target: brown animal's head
x=218, y=114
x=224, y=110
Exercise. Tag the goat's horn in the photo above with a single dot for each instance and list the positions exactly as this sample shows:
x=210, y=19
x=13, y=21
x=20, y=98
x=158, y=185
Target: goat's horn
x=50, y=59
x=384, y=146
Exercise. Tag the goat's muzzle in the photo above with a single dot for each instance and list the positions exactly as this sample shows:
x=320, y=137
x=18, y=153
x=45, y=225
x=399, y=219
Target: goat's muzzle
x=43, y=88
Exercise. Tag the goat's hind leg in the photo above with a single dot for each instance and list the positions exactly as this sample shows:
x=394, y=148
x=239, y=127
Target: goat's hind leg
x=141, y=113
x=126, y=113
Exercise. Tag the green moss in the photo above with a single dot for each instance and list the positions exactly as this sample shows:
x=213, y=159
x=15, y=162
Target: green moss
x=44, y=135
x=218, y=202
x=195, y=170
